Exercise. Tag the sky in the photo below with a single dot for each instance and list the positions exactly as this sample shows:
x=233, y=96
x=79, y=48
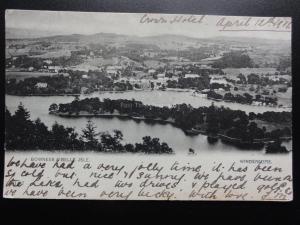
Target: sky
x=64, y=22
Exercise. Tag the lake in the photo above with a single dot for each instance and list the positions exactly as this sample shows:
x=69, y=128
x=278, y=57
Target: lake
x=133, y=131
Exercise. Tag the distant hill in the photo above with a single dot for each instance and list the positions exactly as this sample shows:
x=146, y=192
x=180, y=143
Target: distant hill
x=165, y=41
x=19, y=33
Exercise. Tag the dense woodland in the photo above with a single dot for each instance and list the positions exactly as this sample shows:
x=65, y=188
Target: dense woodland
x=242, y=99
x=237, y=59
x=21, y=133
x=212, y=120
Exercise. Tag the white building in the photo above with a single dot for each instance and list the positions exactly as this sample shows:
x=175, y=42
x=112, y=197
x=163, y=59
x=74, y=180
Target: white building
x=151, y=71
x=274, y=78
x=41, y=85
x=161, y=75
x=85, y=76
x=218, y=80
x=191, y=75
x=54, y=68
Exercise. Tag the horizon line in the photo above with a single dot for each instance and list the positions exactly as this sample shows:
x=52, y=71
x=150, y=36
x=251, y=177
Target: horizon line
x=157, y=35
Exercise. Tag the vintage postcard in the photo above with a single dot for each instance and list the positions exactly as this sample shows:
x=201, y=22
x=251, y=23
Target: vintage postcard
x=138, y=106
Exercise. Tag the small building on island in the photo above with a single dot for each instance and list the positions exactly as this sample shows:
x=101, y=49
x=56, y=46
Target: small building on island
x=41, y=85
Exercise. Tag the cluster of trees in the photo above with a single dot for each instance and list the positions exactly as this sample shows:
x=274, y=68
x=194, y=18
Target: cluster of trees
x=21, y=133
x=276, y=147
x=250, y=131
x=57, y=84
x=226, y=87
x=123, y=86
x=234, y=123
x=272, y=117
x=25, y=61
x=243, y=99
x=236, y=59
x=198, y=83
x=213, y=95
x=60, y=84
x=37, y=63
x=253, y=78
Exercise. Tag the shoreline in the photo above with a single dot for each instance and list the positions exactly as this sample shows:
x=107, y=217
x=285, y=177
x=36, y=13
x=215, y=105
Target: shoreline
x=189, y=132
x=167, y=90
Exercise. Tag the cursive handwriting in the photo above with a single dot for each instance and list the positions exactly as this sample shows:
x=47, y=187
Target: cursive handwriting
x=186, y=178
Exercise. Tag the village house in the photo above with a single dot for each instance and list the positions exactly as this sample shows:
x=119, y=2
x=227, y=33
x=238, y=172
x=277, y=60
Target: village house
x=54, y=68
x=218, y=80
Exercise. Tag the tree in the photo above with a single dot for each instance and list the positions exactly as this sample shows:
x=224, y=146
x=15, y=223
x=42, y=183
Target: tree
x=253, y=79
x=242, y=78
x=152, y=145
x=129, y=148
x=212, y=120
x=22, y=128
x=22, y=113
x=53, y=108
x=112, y=143
x=234, y=59
x=90, y=135
x=59, y=136
x=40, y=135
x=276, y=147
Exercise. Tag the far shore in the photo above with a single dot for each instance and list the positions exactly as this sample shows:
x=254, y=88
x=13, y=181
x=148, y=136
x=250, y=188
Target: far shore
x=191, y=132
x=139, y=90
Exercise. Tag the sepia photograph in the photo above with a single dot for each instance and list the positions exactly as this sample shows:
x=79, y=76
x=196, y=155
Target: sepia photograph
x=130, y=87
